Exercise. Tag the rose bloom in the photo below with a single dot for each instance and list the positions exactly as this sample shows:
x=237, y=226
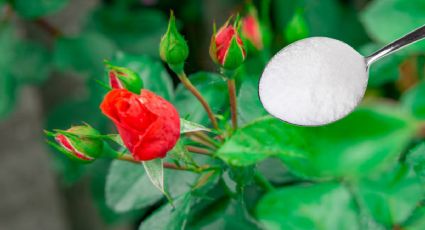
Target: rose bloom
x=148, y=124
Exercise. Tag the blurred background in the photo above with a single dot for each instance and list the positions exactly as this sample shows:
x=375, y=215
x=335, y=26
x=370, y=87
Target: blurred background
x=52, y=52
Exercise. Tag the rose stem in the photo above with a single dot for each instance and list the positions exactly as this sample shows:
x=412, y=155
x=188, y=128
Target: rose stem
x=199, y=150
x=232, y=96
x=263, y=182
x=201, y=142
x=205, y=139
x=186, y=82
x=129, y=158
x=55, y=32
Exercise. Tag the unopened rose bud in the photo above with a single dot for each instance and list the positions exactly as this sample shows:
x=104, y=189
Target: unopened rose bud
x=227, y=48
x=297, y=28
x=123, y=78
x=79, y=143
x=251, y=30
x=173, y=48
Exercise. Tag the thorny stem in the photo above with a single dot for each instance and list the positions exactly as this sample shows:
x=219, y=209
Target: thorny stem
x=129, y=158
x=199, y=150
x=233, y=106
x=186, y=82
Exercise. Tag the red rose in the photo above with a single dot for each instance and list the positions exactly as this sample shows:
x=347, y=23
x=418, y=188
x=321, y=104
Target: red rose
x=227, y=48
x=148, y=124
x=252, y=32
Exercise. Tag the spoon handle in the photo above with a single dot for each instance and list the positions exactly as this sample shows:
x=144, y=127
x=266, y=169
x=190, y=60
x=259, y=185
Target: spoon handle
x=408, y=39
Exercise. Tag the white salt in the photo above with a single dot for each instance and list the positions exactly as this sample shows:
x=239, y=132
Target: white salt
x=313, y=82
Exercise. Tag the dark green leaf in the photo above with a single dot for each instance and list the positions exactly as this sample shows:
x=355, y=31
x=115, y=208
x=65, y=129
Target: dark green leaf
x=129, y=187
x=320, y=206
x=37, y=8
x=36, y=62
x=416, y=221
x=153, y=73
x=388, y=20
x=136, y=31
x=212, y=87
x=391, y=197
x=167, y=217
x=416, y=159
x=84, y=53
x=249, y=105
x=367, y=140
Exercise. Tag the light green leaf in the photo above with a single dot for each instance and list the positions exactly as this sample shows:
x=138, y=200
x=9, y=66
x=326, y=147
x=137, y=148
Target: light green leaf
x=167, y=217
x=414, y=100
x=155, y=77
x=388, y=20
x=390, y=197
x=372, y=139
x=320, y=206
x=155, y=171
x=37, y=8
x=212, y=87
x=188, y=126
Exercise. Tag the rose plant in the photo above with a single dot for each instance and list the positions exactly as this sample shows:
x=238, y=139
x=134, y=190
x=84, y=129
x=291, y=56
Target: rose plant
x=209, y=148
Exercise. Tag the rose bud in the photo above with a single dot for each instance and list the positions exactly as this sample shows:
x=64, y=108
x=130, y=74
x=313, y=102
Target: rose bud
x=173, y=48
x=251, y=30
x=148, y=124
x=123, y=78
x=227, y=48
x=78, y=143
x=297, y=28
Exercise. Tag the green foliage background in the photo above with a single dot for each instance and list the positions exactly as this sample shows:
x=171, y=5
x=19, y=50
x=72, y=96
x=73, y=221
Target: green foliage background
x=366, y=171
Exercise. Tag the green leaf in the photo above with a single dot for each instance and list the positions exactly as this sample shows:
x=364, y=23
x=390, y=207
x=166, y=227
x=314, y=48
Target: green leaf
x=390, y=197
x=249, y=105
x=384, y=71
x=228, y=214
x=416, y=160
x=372, y=140
x=152, y=72
x=134, y=30
x=319, y=206
x=7, y=94
x=167, y=217
x=188, y=126
x=388, y=20
x=84, y=53
x=414, y=100
x=155, y=171
x=129, y=187
x=212, y=87
x=37, y=8
x=416, y=221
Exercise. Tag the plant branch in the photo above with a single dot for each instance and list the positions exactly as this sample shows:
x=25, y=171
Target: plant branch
x=186, y=82
x=199, y=150
x=233, y=106
x=205, y=140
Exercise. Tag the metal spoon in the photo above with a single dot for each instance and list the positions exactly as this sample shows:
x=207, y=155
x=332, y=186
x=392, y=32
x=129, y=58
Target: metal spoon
x=286, y=92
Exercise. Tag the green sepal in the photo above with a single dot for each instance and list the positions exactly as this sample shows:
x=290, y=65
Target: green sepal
x=129, y=79
x=235, y=55
x=173, y=48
